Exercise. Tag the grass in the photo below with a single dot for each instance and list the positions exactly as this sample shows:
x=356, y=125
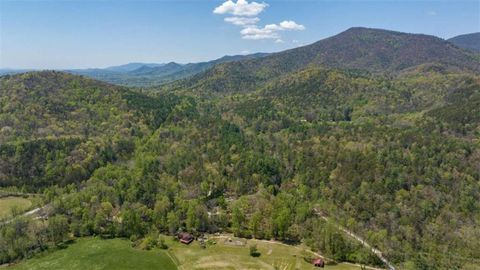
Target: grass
x=7, y=203
x=95, y=254
x=221, y=256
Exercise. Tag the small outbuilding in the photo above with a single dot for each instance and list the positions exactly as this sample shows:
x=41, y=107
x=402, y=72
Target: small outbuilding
x=185, y=238
x=318, y=262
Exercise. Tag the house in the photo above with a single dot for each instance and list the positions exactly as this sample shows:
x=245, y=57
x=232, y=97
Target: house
x=185, y=238
x=318, y=262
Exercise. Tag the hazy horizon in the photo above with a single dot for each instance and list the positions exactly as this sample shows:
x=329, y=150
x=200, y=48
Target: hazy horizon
x=99, y=34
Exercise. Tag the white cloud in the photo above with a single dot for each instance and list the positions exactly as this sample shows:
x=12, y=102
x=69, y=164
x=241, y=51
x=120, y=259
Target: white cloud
x=285, y=25
x=273, y=27
x=253, y=32
x=245, y=16
x=242, y=21
x=245, y=52
x=432, y=13
x=240, y=8
x=291, y=25
x=295, y=41
x=269, y=31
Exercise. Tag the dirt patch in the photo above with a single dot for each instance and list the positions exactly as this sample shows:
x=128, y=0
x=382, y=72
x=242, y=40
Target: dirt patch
x=237, y=242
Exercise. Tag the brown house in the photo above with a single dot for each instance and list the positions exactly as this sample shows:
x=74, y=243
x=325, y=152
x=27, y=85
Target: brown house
x=185, y=238
x=318, y=262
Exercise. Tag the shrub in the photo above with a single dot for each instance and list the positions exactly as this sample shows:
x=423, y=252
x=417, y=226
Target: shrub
x=254, y=251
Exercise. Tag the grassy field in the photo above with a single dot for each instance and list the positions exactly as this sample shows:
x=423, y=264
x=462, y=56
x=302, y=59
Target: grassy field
x=96, y=254
x=224, y=256
x=7, y=203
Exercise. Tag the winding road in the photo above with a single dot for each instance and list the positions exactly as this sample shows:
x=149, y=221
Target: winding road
x=26, y=214
x=376, y=251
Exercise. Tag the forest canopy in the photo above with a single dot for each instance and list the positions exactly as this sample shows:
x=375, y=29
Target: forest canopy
x=393, y=157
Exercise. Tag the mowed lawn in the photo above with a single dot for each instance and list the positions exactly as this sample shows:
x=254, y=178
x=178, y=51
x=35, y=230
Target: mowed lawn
x=95, y=254
x=7, y=203
x=222, y=256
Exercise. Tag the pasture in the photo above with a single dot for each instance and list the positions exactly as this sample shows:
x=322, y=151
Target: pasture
x=96, y=254
x=11, y=202
x=223, y=256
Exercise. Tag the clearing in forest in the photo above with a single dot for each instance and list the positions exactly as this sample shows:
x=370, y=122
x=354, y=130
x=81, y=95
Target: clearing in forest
x=11, y=202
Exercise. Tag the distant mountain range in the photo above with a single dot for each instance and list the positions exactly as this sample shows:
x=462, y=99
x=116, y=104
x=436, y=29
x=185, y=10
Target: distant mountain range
x=132, y=66
x=147, y=74
x=356, y=49
x=467, y=41
x=4, y=71
x=164, y=70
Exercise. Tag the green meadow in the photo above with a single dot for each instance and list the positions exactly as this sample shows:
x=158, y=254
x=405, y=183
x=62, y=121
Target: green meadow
x=221, y=255
x=95, y=253
x=11, y=202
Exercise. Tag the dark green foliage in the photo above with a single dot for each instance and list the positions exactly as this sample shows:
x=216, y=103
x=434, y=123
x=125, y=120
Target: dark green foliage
x=154, y=109
x=254, y=251
x=42, y=162
x=461, y=112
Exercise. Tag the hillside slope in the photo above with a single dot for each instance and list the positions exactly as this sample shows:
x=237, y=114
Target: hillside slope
x=360, y=49
x=50, y=103
x=467, y=41
x=57, y=128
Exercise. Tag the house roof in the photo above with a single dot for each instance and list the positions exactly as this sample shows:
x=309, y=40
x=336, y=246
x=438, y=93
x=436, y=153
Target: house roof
x=185, y=236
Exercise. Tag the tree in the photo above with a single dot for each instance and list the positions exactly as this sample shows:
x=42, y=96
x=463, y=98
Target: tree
x=255, y=224
x=173, y=222
x=238, y=218
x=57, y=228
x=254, y=251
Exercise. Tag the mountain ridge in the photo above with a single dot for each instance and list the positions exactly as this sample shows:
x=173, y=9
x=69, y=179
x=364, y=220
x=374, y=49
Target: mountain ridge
x=131, y=66
x=467, y=41
x=155, y=74
x=358, y=48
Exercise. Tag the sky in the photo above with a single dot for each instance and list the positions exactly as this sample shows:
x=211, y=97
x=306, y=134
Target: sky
x=94, y=34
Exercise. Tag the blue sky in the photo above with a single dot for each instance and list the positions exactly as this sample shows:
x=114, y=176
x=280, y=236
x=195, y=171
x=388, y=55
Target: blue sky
x=80, y=34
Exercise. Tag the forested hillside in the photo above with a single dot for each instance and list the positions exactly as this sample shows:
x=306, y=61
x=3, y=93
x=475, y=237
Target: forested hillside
x=358, y=49
x=467, y=41
x=393, y=156
x=58, y=128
